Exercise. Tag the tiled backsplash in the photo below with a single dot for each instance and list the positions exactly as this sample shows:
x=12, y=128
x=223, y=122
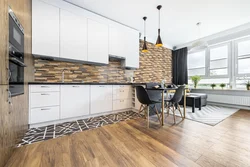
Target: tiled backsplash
x=155, y=65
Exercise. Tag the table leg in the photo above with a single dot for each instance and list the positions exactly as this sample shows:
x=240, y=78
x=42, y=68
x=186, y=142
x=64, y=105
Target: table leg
x=185, y=101
x=162, y=109
x=193, y=106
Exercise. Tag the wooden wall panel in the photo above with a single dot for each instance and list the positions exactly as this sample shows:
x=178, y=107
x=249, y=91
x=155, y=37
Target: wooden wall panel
x=14, y=118
x=3, y=41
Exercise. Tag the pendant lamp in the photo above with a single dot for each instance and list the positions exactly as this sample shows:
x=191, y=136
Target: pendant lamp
x=159, y=42
x=145, y=48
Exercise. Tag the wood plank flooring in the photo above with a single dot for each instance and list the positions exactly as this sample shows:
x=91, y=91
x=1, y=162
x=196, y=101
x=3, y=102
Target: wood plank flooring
x=130, y=143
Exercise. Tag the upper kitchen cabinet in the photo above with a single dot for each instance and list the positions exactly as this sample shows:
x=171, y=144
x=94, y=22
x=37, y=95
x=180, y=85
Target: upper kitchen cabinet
x=45, y=29
x=116, y=47
x=132, y=47
x=73, y=36
x=98, y=42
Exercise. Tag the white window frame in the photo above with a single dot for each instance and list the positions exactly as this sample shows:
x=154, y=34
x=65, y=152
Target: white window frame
x=199, y=67
x=236, y=42
x=229, y=59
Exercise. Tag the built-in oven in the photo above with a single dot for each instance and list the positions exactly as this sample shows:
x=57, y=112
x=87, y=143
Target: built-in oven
x=16, y=56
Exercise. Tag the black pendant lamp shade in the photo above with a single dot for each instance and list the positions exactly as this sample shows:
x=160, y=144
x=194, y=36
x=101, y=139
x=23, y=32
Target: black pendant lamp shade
x=144, y=47
x=159, y=41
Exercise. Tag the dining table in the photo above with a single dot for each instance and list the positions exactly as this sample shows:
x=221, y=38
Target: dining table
x=163, y=90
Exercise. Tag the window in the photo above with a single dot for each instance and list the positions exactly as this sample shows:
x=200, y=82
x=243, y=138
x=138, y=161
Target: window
x=196, y=63
x=228, y=63
x=219, y=60
x=243, y=57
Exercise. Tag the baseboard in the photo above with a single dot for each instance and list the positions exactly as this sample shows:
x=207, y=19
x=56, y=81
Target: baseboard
x=75, y=118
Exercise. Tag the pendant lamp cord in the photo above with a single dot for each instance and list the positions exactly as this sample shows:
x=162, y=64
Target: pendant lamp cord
x=159, y=19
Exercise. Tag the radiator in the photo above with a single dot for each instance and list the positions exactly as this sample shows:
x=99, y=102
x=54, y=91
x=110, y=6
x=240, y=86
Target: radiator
x=229, y=99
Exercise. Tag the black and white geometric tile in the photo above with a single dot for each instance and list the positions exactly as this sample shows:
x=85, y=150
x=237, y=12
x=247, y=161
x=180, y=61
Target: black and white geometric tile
x=58, y=130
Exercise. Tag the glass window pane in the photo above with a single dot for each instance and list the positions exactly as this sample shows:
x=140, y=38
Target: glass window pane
x=244, y=66
x=200, y=71
x=244, y=48
x=196, y=60
x=218, y=63
x=219, y=53
x=218, y=72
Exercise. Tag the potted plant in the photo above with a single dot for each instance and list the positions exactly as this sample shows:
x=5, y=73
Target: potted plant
x=222, y=85
x=195, y=80
x=248, y=85
x=213, y=85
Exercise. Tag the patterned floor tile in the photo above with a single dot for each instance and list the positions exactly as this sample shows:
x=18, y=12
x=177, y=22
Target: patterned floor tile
x=58, y=130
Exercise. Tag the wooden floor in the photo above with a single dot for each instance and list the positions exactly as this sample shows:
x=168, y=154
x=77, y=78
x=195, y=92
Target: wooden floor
x=131, y=144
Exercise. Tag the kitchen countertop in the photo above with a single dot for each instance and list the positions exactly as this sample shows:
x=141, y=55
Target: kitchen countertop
x=85, y=83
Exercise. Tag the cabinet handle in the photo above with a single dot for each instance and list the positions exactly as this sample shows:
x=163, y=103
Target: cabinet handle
x=43, y=94
x=45, y=109
x=101, y=86
x=75, y=86
x=44, y=86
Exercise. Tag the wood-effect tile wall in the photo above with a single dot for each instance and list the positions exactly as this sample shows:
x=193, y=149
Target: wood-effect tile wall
x=155, y=65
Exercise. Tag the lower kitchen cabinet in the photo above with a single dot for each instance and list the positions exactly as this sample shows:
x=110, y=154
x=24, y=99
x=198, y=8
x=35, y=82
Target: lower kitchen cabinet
x=44, y=114
x=122, y=104
x=74, y=100
x=100, y=99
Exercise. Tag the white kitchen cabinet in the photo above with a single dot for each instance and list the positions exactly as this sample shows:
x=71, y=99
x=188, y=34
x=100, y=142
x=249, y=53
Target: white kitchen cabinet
x=45, y=29
x=101, y=98
x=122, y=97
x=44, y=88
x=132, y=51
x=98, y=43
x=73, y=36
x=44, y=99
x=74, y=100
x=116, y=47
x=122, y=92
x=122, y=104
x=44, y=114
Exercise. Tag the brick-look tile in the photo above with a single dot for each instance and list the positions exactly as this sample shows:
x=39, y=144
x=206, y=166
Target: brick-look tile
x=155, y=65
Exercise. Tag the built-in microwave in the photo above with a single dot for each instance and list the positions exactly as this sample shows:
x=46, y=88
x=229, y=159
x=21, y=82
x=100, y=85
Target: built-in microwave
x=16, y=56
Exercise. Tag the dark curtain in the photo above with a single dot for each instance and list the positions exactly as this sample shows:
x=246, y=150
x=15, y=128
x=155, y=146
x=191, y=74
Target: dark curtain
x=179, y=60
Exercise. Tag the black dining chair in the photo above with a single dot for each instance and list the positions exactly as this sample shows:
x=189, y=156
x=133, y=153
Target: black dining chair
x=173, y=103
x=146, y=103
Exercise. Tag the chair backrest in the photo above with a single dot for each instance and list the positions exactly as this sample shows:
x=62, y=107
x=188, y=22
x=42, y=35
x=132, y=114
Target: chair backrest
x=178, y=94
x=142, y=95
x=153, y=94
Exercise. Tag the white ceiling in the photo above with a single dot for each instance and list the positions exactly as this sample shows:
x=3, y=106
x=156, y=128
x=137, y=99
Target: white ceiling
x=178, y=17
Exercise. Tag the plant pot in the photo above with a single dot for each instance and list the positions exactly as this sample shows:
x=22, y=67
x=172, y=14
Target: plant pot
x=248, y=87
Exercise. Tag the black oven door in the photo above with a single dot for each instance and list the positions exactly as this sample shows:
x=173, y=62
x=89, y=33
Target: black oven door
x=16, y=36
x=16, y=81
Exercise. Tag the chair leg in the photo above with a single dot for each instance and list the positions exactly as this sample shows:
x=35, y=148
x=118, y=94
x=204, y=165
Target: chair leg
x=179, y=109
x=168, y=109
x=140, y=110
x=157, y=113
x=174, y=113
x=145, y=112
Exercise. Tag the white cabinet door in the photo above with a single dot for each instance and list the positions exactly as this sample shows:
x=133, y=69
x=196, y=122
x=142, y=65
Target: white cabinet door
x=131, y=40
x=116, y=46
x=74, y=100
x=44, y=114
x=45, y=29
x=101, y=99
x=73, y=36
x=98, y=47
x=44, y=99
